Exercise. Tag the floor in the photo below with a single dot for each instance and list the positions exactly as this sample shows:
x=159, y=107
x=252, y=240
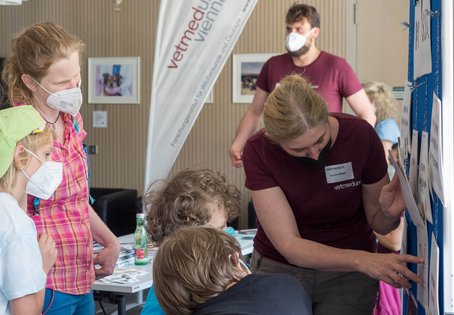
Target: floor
x=106, y=308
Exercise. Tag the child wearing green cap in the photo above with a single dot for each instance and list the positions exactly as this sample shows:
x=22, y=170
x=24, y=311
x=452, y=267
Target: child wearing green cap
x=25, y=259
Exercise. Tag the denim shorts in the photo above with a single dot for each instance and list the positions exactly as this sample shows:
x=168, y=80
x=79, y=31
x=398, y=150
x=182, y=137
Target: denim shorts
x=340, y=293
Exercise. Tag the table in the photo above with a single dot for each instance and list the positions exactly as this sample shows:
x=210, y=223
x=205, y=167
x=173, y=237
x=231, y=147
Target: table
x=116, y=292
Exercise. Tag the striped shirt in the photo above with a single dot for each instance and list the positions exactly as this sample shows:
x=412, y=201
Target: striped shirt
x=65, y=216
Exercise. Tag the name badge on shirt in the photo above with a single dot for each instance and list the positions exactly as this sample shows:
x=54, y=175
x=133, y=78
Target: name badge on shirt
x=339, y=172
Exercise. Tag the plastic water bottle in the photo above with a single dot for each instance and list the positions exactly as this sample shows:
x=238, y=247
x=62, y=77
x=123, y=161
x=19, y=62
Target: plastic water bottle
x=140, y=241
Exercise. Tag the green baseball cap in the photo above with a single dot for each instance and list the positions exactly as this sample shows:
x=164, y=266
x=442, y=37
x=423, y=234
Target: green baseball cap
x=15, y=124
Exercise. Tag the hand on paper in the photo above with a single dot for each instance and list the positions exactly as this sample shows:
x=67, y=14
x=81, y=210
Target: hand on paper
x=391, y=268
x=106, y=259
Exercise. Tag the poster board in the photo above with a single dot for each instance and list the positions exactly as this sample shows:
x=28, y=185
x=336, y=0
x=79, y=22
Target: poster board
x=427, y=84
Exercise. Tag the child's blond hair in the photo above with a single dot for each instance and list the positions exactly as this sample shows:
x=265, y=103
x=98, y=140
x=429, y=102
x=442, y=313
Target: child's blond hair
x=31, y=142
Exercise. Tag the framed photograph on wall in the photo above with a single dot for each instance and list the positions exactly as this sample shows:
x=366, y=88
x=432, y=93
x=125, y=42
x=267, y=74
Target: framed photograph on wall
x=114, y=80
x=246, y=69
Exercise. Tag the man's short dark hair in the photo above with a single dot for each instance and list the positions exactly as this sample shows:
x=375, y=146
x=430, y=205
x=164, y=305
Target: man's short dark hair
x=298, y=11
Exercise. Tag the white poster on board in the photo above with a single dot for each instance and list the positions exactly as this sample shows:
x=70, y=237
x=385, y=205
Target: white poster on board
x=423, y=269
x=407, y=194
x=423, y=198
x=413, y=172
x=404, y=141
x=435, y=150
x=422, y=57
x=193, y=41
x=433, y=277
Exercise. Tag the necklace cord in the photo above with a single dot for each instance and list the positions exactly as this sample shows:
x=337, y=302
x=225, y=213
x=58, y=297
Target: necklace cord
x=52, y=123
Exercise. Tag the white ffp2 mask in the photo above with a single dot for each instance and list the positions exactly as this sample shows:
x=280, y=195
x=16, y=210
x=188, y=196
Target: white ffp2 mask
x=295, y=41
x=45, y=180
x=68, y=101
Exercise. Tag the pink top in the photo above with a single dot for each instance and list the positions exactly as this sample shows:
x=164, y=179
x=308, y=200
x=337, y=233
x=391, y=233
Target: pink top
x=65, y=216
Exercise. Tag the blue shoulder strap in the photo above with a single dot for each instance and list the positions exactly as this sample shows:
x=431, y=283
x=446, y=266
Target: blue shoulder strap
x=76, y=126
x=91, y=199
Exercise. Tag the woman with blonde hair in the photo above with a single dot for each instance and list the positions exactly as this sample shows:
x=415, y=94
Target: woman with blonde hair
x=320, y=188
x=387, y=112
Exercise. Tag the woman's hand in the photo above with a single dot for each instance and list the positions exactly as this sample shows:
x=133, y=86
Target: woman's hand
x=391, y=268
x=235, y=154
x=107, y=258
x=391, y=199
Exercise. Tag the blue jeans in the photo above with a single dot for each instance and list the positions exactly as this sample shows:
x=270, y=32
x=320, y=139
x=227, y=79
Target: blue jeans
x=68, y=304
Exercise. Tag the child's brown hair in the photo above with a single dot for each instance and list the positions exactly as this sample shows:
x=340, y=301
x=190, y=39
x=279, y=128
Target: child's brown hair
x=188, y=199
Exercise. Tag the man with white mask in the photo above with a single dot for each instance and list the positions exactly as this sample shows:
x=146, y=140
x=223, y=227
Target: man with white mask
x=330, y=76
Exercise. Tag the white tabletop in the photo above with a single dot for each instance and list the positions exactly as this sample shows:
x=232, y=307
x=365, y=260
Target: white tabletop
x=146, y=280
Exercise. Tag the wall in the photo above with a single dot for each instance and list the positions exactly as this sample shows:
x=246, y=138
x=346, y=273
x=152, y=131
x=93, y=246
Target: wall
x=107, y=33
x=120, y=161
x=382, y=41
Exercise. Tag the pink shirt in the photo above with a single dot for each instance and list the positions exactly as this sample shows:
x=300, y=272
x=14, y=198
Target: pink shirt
x=330, y=76
x=65, y=216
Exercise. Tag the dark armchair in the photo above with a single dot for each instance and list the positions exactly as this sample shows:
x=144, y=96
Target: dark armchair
x=117, y=208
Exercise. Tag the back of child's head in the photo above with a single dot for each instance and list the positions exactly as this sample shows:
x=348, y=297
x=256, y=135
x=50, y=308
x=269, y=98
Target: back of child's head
x=20, y=125
x=189, y=198
x=193, y=265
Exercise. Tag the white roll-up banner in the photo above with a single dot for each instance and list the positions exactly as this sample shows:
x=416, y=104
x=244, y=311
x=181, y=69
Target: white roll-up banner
x=194, y=39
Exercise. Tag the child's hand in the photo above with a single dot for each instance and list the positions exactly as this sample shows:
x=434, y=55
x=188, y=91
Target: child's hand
x=48, y=251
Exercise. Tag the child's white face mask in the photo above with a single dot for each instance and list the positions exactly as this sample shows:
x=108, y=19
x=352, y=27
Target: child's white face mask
x=45, y=180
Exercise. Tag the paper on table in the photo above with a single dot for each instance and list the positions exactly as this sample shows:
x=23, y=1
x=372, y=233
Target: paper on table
x=123, y=276
x=407, y=193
